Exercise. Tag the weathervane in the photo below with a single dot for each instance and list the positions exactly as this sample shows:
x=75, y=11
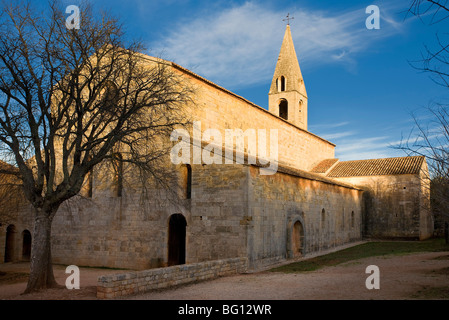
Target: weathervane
x=288, y=19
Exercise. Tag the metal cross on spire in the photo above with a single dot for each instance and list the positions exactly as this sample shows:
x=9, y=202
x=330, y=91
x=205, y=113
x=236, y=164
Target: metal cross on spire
x=288, y=19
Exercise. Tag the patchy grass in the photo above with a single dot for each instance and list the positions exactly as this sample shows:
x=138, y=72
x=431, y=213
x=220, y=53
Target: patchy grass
x=428, y=292
x=369, y=249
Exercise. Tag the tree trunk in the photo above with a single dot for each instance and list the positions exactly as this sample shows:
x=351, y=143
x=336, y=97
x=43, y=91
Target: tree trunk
x=41, y=267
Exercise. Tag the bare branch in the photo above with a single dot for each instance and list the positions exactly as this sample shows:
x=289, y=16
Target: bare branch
x=71, y=100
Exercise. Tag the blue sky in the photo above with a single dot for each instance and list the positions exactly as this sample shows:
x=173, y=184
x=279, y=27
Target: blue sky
x=360, y=84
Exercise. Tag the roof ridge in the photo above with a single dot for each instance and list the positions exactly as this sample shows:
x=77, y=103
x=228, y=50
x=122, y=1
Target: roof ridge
x=404, y=157
x=379, y=166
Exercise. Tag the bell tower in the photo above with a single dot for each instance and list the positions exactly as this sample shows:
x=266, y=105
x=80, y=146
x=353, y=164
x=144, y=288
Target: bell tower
x=288, y=97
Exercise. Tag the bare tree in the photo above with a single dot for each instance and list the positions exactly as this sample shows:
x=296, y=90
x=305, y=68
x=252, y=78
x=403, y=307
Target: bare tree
x=71, y=99
x=431, y=138
x=434, y=61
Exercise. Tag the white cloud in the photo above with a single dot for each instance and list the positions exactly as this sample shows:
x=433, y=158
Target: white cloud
x=351, y=145
x=369, y=154
x=322, y=126
x=367, y=148
x=338, y=135
x=239, y=46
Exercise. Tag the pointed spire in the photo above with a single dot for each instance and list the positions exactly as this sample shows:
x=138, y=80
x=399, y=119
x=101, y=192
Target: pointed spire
x=287, y=98
x=288, y=67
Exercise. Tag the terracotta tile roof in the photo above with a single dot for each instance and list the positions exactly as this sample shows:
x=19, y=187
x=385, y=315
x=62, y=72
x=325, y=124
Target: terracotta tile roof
x=282, y=168
x=377, y=167
x=324, y=165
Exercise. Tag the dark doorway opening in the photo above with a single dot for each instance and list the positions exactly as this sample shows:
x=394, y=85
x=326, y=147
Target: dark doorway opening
x=177, y=240
x=9, y=245
x=26, y=245
x=297, y=239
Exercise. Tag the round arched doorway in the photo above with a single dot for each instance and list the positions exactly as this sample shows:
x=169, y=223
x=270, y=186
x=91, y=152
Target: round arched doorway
x=10, y=243
x=26, y=245
x=297, y=239
x=177, y=239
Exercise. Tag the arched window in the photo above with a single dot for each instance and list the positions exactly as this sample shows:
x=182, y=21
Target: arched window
x=87, y=188
x=323, y=217
x=187, y=180
x=118, y=174
x=90, y=184
x=109, y=95
x=283, y=109
x=352, y=219
x=283, y=83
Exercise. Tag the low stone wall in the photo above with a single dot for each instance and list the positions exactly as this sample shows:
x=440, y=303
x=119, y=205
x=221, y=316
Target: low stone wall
x=117, y=285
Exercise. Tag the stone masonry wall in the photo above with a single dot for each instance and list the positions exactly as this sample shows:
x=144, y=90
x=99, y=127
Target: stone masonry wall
x=218, y=109
x=393, y=207
x=132, y=231
x=219, y=204
x=330, y=215
x=114, y=286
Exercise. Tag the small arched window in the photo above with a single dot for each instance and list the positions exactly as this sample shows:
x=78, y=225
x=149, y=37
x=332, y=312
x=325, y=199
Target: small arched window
x=283, y=83
x=188, y=180
x=87, y=188
x=109, y=95
x=323, y=217
x=118, y=174
x=90, y=184
x=352, y=219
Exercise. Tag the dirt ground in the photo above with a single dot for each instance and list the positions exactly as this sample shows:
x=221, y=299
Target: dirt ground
x=13, y=283
x=412, y=276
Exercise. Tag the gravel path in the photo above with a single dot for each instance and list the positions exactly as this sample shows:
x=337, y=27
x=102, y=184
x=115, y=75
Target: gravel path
x=401, y=277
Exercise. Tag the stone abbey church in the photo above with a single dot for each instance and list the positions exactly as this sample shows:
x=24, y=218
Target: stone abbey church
x=312, y=203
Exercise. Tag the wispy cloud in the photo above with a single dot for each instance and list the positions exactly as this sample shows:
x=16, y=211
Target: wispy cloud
x=367, y=148
x=338, y=135
x=353, y=145
x=366, y=143
x=321, y=126
x=238, y=46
